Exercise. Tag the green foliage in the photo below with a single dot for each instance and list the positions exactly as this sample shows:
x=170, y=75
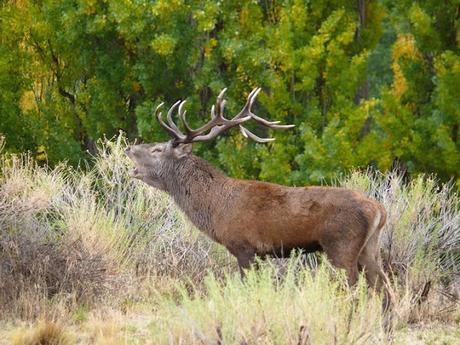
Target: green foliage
x=421, y=109
x=370, y=85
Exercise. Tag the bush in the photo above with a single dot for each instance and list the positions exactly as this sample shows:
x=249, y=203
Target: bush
x=421, y=238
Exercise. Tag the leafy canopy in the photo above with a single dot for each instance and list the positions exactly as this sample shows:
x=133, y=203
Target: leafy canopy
x=366, y=82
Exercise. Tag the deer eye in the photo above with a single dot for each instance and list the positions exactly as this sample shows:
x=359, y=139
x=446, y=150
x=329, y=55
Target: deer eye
x=155, y=149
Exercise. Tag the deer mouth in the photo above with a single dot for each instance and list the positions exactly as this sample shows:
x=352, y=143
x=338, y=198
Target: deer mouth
x=134, y=172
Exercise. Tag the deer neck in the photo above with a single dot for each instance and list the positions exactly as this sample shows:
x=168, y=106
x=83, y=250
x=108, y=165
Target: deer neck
x=197, y=188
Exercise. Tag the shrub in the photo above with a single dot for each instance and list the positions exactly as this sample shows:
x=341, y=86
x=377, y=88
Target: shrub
x=421, y=238
x=81, y=234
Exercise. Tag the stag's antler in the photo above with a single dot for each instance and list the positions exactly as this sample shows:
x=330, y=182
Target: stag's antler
x=218, y=122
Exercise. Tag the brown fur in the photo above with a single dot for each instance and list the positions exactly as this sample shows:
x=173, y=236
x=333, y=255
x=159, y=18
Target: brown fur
x=254, y=218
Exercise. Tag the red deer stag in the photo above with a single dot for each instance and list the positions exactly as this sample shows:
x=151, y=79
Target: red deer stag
x=258, y=218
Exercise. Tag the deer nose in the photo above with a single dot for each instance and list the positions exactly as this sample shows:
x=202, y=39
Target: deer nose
x=128, y=150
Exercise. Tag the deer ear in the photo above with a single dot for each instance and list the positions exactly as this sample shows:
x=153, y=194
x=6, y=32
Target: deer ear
x=182, y=150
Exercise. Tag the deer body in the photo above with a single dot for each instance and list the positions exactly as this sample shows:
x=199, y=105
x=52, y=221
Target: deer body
x=253, y=218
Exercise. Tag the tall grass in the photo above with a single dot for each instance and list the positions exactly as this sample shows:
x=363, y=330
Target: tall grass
x=83, y=234
x=71, y=237
x=300, y=308
x=421, y=238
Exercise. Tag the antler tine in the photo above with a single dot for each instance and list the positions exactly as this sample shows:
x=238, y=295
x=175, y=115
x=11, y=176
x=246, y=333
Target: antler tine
x=248, y=134
x=254, y=95
x=221, y=93
x=169, y=117
x=213, y=111
x=182, y=114
x=270, y=124
x=247, y=107
x=222, y=107
x=220, y=103
x=216, y=120
x=168, y=129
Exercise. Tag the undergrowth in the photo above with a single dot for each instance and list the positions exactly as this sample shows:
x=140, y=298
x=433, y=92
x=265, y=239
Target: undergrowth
x=75, y=239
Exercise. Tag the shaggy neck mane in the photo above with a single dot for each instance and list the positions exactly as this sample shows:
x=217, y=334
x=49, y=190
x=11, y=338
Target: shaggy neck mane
x=198, y=189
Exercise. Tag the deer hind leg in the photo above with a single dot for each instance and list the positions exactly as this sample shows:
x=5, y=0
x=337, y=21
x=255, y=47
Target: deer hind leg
x=376, y=279
x=369, y=260
x=370, y=265
x=344, y=255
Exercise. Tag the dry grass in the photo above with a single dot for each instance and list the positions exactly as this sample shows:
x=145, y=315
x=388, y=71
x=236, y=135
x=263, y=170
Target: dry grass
x=45, y=250
x=42, y=333
x=422, y=226
x=117, y=261
x=301, y=307
x=81, y=236
x=420, y=241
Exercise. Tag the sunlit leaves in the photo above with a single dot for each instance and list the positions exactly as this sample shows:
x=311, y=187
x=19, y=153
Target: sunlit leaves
x=163, y=44
x=74, y=71
x=426, y=66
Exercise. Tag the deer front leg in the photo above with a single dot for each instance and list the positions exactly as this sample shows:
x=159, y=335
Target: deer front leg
x=245, y=254
x=245, y=257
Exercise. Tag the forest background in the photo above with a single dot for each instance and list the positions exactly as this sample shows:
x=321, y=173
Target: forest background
x=366, y=82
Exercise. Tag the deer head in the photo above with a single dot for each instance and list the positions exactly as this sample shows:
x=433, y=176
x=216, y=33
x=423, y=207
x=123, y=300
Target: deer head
x=154, y=162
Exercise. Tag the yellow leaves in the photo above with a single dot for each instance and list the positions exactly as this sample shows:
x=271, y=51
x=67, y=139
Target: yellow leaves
x=89, y=7
x=316, y=49
x=447, y=64
x=331, y=22
x=136, y=86
x=399, y=82
x=250, y=19
x=245, y=16
x=41, y=153
x=213, y=42
x=299, y=15
x=370, y=104
x=447, y=67
x=42, y=28
x=209, y=47
x=241, y=74
x=165, y=7
x=163, y=44
x=404, y=48
x=228, y=53
x=419, y=19
x=348, y=35
x=27, y=101
x=22, y=4
x=206, y=17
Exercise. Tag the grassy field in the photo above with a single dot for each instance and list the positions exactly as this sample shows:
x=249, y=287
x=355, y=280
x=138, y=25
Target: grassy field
x=94, y=257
